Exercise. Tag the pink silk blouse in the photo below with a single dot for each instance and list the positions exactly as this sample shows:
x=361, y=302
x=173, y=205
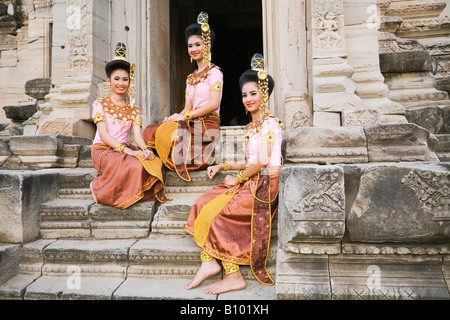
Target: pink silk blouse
x=118, y=121
x=270, y=132
x=200, y=93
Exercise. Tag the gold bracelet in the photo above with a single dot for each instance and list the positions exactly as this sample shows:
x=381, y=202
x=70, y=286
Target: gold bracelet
x=227, y=166
x=120, y=148
x=188, y=115
x=240, y=177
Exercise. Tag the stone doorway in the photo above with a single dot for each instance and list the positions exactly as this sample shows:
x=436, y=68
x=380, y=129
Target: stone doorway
x=238, y=25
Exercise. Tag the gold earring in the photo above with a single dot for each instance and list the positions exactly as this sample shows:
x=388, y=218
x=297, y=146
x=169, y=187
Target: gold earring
x=192, y=60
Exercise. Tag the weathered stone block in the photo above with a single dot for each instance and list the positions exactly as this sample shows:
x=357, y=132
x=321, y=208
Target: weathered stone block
x=430, y=118
x=322, y=145
x=401, y=203
x=20, y=113
x=302, y=277
x=4, y=150
x=312, y=208
x=9, y=261
x=68, y=127
x=387, y=278
x=400, y=143
x=362, y=118
x=21, y=194
x=38, y=88
x=407, y=61
x=52, y=151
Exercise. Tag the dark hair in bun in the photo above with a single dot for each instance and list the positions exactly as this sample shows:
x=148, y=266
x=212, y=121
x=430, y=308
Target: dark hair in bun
x=252, y=76
x=117, y=65
x=195, y=29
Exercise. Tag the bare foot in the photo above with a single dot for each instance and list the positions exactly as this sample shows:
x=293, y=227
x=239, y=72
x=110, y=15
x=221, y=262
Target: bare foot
x=233, y=282
x=207, y=270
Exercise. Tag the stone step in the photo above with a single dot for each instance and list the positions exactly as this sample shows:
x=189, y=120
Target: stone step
x=171, y=217
x=82, y=218
x=30, y=269
x=117, y=269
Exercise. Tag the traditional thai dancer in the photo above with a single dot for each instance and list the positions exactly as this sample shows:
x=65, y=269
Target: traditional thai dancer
x=127, y=174
x=185, y=141
x=232, y=222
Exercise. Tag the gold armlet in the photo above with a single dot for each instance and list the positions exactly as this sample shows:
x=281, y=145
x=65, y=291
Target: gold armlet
x=227, y=166
x=240, y=177
x=120, y=148
x=188, y=115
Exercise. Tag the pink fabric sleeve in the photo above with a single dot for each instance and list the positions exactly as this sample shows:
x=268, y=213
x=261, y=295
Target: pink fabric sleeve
x=216, y=80
x=271, y=132
x=97, y=112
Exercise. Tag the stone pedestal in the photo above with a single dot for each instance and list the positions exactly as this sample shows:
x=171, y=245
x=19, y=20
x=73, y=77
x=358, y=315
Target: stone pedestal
x=22, y=194
x=363, y=231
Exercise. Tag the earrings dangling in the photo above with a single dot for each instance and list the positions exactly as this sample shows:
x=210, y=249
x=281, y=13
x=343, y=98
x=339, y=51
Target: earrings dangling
x=192, y=60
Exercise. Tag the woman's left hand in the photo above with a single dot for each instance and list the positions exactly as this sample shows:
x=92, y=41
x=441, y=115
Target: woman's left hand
x=148, y=154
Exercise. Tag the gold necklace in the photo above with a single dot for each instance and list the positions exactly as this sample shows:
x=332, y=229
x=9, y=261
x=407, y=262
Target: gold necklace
x=116, y=106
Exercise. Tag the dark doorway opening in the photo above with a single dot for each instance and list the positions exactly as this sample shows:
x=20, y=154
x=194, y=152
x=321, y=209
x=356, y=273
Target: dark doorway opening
x=239, y=35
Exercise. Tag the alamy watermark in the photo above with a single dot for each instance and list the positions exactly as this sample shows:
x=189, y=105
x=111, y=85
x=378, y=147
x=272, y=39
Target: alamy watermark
x=74, y=278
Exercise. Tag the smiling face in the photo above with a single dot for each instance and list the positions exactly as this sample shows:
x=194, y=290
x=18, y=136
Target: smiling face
x=251, y=97
x=195, y=47
x=120, y=82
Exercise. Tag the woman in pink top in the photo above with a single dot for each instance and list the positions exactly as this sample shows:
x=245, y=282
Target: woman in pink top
x=127, y=174
x=232, y=222
x=185, y=140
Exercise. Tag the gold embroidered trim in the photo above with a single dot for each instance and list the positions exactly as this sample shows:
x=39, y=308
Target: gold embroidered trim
x=216, y=87
x=196, y=78
x=205, y=257
x=99, y=117
x=126, y=113
x=269, y=137
x=230, y=268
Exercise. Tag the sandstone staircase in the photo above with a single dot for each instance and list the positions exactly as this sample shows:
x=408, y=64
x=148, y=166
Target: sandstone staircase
x=91, y=251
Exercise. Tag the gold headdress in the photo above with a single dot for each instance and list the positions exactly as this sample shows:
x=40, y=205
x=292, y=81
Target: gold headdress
x=263, y=82
x=203, y=20
x=120, y=53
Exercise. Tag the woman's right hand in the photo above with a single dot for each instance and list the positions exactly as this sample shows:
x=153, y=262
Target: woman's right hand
x=213, y=170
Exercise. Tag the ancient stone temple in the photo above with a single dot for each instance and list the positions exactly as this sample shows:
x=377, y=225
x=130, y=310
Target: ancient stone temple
x=362, y=87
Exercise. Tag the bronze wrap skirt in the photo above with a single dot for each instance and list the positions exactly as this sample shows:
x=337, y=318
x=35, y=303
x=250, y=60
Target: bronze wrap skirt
x=185, y=146
x=124, y=180
x=233, y=223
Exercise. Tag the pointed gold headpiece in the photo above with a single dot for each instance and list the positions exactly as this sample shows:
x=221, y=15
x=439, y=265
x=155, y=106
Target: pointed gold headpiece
x=203, y=20
x=257, y=64
x=120, y=53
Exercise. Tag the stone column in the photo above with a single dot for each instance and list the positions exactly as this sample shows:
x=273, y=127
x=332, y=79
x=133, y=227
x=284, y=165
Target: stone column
x=334, y=89
x=361, y=32
x=69, y=111
x=158, y=61
x=286, y=54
